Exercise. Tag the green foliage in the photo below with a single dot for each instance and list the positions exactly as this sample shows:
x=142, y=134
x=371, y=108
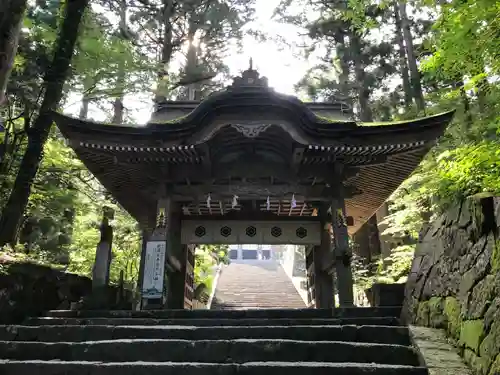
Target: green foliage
x=61, y=226
x=465, y=38
x=206, y=258
x=392, y=269
x=467, y=170
x=63, y=218
x=459, y=61
x=126, y=242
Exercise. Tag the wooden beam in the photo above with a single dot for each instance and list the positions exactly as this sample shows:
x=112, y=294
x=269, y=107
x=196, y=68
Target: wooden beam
x=249, y=216
x=252, y=191
x=251, y=170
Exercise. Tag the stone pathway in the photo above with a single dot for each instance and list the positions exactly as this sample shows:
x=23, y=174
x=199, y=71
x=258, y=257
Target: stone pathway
x=356, y=341
x=439, y=355
x=255, y=285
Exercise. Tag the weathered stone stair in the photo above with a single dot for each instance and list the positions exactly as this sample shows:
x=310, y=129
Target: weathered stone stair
x=255, y=285
x=207, y=342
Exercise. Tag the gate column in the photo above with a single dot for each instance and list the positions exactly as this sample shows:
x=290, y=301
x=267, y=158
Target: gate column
x=342, y=253
x=176, y=260
x=322, y=255
x=146, y=234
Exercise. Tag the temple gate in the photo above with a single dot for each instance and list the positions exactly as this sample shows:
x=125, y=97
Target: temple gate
x=249, y=165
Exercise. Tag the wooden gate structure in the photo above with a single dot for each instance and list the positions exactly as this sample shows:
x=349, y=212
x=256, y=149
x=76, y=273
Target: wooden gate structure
x=249, y=165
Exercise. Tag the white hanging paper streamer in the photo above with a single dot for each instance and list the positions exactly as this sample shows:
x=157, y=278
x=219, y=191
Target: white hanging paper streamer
x=268, y=203
x=209, y=199
x=294, y=202
x=235, y=201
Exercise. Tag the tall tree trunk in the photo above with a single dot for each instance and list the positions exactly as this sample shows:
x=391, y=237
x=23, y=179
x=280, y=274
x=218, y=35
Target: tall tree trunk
x=371, y=231
x=459, y=85
x=343, y=74
x=482, y=87
x=11, y=19
x=403, y=63
x=167, y=50
x=412, y=59
x=365, y=112
x=54, y=81
x=84, y=109
x=118, y=106
x=191, y=68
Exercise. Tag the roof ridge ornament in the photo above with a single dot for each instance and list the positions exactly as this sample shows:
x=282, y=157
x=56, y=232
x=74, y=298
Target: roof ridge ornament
x=249, y=78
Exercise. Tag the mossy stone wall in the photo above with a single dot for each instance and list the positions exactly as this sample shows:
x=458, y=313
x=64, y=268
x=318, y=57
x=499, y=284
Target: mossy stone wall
x=455, y=281
x=28, y=289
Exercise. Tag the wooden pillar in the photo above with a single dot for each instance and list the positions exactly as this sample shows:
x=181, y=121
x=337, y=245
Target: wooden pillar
x=102, y=264
x=145, y=237
x=176, y=254
x=342, y=254
x=322, y=257
x=177, y=281
x=311, y=293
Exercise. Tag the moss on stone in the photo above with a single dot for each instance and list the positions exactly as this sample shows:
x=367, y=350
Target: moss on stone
x=482, y=296
x=471, y=334
x=478, y=365
x=495, y=257
x=399, y=122
x=423, y=312
x=490, y=347
x=495, y=367
x=452, y=312
x=436, y=317
x=173, y=121
x=332, y=120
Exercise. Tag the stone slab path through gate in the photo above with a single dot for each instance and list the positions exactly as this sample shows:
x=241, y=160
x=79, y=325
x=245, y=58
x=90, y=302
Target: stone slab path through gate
x=255, y=285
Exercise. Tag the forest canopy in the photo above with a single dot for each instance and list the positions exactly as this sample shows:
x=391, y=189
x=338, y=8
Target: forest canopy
x=392, y=60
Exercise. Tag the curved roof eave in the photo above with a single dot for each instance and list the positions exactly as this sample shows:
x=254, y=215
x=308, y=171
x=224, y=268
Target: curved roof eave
x=427, y=128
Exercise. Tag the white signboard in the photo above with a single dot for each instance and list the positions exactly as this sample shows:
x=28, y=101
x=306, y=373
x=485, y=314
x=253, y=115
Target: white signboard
x=154, y=269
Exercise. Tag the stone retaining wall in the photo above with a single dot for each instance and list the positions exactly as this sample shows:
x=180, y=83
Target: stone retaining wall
x=455, y=281
x=28, y=289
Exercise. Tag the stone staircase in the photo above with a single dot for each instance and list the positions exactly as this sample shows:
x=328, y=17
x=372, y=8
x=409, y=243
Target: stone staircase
x=255, y=285
x=353, y=341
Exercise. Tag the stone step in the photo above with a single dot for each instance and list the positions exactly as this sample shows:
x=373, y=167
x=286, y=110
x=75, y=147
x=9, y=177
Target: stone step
x=228, y=306
x=368, y=334
x=349, y=312
x=162, y=368
x=213, y=351
x=255, y=322
x=256, y=284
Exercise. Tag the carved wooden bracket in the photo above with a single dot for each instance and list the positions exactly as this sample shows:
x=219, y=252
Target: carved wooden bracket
x=251, y=130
